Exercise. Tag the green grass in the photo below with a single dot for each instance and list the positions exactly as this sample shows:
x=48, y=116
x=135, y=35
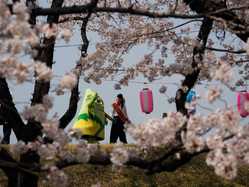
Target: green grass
x=193, y=174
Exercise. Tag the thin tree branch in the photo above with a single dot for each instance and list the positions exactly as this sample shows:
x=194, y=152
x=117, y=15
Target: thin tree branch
x=168, y=161
x=16, y=166
x=191, y=78
x=218, y=9
x=74, y=98
x=211, y=8
x=81, y=9
x=74, y=18
x=226, y=50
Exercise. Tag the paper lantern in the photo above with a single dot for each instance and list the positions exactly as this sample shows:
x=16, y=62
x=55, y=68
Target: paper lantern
x=146, y=100
x=242, y=98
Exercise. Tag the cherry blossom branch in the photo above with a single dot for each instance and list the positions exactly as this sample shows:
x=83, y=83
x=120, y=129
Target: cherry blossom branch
x=159, y=31
x=16, y=166
x=130, y=10
x=74, y=98
x=225, y=9
x=136, y=36
x=151, y=165
x=85, y=9
x=46, y=56
x=218, y=9
x=241, y=61
x=241, y=51
x=41, y=88
x=146, y=13
x=191, y=78
x=171, y=158
x=176, y=160
x=75, y=18
x=13, y=168
x=73, y=102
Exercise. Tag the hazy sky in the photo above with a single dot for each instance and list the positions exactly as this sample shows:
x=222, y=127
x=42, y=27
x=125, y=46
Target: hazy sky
x=65, y=59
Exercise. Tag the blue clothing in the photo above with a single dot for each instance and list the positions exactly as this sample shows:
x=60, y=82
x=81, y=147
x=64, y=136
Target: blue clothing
x=190, y=96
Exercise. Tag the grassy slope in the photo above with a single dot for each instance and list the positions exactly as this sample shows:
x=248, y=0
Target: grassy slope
x=193, y=174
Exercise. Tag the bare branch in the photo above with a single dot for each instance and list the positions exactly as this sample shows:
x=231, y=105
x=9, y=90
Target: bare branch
x=74, y=98
x=81, y=9
x=85, y=9
x=74, y=18
x=191, y=78
x=218, y=9
x=226, y=50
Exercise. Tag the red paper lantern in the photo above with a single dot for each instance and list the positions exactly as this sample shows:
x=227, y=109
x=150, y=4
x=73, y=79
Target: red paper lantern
x=146, y=100
x=242, y=98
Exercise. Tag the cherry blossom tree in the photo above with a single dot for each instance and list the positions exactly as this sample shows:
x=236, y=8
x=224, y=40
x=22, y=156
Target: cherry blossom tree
x=167, y=28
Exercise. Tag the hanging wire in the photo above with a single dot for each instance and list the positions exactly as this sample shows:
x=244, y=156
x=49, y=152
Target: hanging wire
x=21, y=102
x=205, y=108
x=68, y=45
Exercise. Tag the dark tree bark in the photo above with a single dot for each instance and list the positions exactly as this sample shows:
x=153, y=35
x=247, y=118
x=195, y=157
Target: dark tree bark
x=191, y=78
x=30, y=131
x=25, y=179
x=41, y=88
x=9, y=112
x=235, y=24
x=74, y=98
x=10, y=173
x=46, y=55
x=31, y=4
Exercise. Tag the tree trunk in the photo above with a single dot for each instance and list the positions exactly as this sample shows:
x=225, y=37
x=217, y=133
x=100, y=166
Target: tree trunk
x=19, y=179
x=190, y=79
x=26, y=179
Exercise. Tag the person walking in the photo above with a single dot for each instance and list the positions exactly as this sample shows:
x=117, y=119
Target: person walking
x=120, y=117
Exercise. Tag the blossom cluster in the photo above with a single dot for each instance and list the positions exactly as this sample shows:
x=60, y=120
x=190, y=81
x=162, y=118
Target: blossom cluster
x=219, y=132
x=18, y=38
x=119, y=155
x=156, y=132
x=68, y=81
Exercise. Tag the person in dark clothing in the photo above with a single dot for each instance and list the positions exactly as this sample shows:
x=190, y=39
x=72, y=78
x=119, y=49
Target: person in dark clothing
x=6, y=131
x=6, y=135
x=120, y=117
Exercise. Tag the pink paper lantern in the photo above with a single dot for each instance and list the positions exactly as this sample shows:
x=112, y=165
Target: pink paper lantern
x=242, y=98
x=146, y=100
